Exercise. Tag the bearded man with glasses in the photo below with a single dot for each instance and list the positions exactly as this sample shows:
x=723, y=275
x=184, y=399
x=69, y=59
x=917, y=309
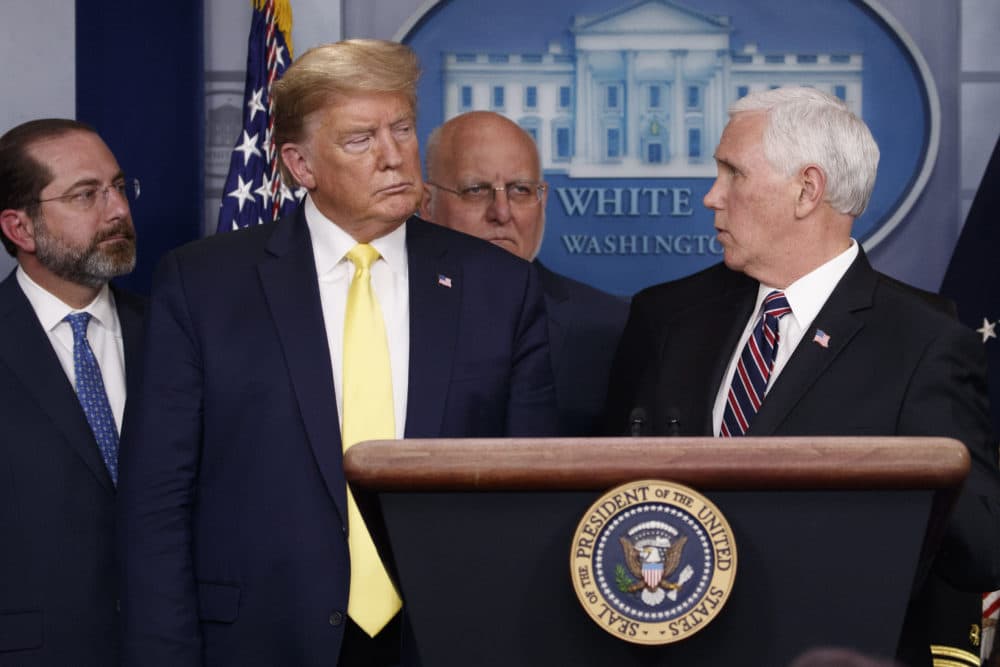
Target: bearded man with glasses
x=69, y=349
x=484, y=179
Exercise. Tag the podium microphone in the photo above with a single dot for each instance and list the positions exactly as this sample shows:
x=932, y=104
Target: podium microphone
x=636, y=421
x=673, y=422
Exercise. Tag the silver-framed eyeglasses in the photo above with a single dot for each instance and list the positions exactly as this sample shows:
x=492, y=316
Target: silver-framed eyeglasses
x=519, y=193
x=85, y=198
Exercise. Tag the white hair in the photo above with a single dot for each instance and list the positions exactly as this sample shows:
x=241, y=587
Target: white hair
x=806, y=126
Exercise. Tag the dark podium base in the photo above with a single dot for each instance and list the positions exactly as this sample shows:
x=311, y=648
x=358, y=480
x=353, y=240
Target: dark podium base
x=486, y=577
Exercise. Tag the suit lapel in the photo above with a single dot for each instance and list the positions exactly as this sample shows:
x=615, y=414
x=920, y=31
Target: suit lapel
x=703, y=339
x=288, y=280
x=854, y=292
x=130, y=318
x=25, y=349
x=434, y=318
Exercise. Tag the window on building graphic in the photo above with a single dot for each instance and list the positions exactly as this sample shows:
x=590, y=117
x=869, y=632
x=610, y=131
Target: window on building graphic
x=531, y=97
x=531, y=57
x=694, y=143
x=654, y=153
x=694, y=97
x=654, y=97
x=778, y=59
x=806, y=58
x=742, y=91
x=611, y=99
x=499, y=58
x=564, y=97
x=465, y=57
x=840, y=58
x=466, y=97
x=614, y=142
x=530, y=124
x=564, y=143
x=840, y=92
x=498, y=97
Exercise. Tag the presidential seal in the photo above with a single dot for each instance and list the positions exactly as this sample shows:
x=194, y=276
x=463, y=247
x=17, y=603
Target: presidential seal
x=653, y=562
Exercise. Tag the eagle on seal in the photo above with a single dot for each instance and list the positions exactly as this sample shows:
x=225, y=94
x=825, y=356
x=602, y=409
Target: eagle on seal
x=651, y=568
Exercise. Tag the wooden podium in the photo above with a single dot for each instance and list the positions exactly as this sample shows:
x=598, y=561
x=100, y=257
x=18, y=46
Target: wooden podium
x=830, y=534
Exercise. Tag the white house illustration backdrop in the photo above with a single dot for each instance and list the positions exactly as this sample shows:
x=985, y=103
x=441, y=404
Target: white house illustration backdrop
x=643, y=91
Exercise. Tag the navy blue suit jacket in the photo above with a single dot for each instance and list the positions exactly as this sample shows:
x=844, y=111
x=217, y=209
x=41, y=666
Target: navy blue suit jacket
x=584, y=327
x=898, y=363
x=234, y=508
x=58, y=577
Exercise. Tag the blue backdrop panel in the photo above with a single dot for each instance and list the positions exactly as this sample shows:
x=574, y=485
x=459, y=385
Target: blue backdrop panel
x=139, y=82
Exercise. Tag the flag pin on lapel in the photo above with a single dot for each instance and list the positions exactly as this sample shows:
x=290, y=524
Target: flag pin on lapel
x=821, y=338
x=444, y=280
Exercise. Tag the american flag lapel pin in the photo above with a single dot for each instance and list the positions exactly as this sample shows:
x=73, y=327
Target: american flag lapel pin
x=821, y=338
x=444, y=280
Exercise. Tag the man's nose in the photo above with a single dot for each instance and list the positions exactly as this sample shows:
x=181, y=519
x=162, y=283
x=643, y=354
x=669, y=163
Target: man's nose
x=499, y=209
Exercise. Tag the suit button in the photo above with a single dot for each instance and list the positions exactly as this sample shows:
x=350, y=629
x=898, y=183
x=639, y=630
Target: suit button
x=118, y=606
x=336, y=618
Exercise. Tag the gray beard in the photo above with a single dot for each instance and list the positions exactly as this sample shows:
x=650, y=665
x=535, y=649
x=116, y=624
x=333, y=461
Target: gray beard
x=91, y=266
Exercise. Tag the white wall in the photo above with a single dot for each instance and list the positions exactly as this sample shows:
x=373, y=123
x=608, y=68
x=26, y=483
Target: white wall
x=37, y=44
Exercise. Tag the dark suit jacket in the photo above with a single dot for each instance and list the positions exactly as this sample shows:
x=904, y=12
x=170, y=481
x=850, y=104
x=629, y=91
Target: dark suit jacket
x=584, y=327
x=233, y=491
x=58, y=577
x=896, y=365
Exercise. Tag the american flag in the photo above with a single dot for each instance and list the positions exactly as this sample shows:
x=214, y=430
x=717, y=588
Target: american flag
x=972, y=281
x=254, y=193
x=821, y=338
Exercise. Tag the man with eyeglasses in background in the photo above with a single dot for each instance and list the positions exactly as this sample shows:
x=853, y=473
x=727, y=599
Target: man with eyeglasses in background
x=484, y=179
x=69, y=347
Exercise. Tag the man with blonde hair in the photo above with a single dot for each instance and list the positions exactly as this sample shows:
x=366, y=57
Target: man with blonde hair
x=277, y=347
x=796, y=334
x=484, y=178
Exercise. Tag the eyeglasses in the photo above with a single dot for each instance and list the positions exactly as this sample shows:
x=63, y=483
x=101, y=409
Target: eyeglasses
x=85, y=199
x=519, y=193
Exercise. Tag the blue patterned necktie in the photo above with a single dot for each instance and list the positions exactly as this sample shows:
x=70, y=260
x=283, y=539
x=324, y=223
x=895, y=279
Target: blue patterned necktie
x=753, y=370
x=90, y=392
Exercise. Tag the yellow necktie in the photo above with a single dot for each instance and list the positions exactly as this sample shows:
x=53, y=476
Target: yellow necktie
x=368, y=415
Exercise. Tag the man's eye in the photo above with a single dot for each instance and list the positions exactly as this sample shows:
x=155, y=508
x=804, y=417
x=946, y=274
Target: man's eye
x=478, y=190
x=86, y=197
x=520, y=189
x=357, y=144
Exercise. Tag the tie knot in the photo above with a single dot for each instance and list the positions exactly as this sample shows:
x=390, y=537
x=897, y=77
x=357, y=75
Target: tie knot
x=776, y=305
x=78, y=322
x=362, y=255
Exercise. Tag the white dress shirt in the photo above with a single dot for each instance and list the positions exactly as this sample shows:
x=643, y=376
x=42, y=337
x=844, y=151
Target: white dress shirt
x=390, y=282
x=104, y=335
x=806, y=297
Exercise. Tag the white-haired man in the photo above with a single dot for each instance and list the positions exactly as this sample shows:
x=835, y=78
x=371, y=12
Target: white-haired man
x=796, y=334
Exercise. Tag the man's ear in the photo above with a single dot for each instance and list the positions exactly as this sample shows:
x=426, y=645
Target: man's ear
x=425, y=204
x=812, y=190
x=296, y=160
x=17, y=227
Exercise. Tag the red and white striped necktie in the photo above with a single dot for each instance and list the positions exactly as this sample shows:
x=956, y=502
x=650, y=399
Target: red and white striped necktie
x=753, y=370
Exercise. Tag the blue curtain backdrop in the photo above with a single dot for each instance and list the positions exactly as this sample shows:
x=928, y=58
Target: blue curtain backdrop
x=139, y=82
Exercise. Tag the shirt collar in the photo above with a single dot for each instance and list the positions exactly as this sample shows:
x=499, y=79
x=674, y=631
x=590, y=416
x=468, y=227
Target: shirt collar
x=51, y=310
x=331, y=243
x=807, y=295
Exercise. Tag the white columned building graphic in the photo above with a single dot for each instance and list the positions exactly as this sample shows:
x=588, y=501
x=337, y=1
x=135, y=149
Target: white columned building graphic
x=642, y=92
